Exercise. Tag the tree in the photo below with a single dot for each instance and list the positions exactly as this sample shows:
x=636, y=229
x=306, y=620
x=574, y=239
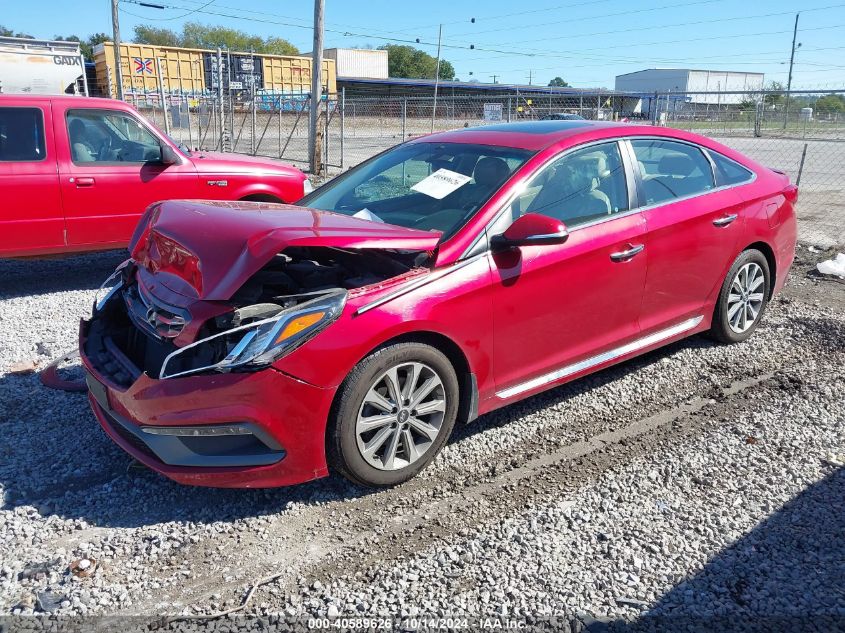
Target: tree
x=279, y=46
x=412, y=63
x=195, y=35
x=86, y=47
x=4, y=32
x=145, y=34
x=773, y=99
x=558, y=82
x=830, y=104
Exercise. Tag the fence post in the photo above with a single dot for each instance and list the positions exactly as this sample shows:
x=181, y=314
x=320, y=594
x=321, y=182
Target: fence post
x=188, y=119
x=252, y=134
x=280, y=127
x=221, y=112
x=161, y=96
x=404, y=117
x=342, y=123
x=510, y=106
x=758, y=118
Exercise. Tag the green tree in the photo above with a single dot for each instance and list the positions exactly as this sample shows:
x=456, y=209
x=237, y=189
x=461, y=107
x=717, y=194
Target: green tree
x=412, y=63
x=558, y=82
x=774, y=99
x=279, y=46
x=195, y=35
x=4, y=32
x=145, y=34
x=830, y=104
x=86, y=46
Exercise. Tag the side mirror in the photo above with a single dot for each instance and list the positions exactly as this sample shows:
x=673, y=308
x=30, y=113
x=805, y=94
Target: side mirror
x=168, y=155
x=530, y=229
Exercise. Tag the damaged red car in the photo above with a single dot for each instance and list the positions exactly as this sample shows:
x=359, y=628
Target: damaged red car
x=252, y=344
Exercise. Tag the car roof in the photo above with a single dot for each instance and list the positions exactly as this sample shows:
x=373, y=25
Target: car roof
x=75, y=99
x=534, y=135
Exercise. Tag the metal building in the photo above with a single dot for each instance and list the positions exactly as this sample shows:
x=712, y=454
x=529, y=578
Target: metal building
x=359, y=62
x=685, y=80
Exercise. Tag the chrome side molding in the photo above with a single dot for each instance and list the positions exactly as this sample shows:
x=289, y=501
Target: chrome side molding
x=599, y=359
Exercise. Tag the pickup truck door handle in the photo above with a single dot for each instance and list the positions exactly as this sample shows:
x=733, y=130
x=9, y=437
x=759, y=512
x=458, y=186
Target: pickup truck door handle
x=83, y=182
x=725, y=220
x=624, y=256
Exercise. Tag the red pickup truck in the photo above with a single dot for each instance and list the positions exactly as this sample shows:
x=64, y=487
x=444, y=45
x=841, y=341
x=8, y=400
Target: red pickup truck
x=76, y=173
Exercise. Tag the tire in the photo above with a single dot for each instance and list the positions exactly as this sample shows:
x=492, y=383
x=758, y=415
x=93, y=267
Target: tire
x=363, y=435
x=741, y=303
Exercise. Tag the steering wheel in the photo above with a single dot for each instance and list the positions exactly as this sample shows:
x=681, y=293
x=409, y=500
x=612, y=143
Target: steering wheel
x=105, y=149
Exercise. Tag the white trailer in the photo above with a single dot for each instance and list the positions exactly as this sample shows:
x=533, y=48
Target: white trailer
x=41, y=67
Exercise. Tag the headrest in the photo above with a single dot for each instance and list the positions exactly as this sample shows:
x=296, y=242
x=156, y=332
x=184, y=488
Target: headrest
x=676, y=165
x=76, y=127
x=491, y=171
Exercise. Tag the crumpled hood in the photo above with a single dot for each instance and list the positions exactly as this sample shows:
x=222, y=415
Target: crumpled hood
x=209, y=249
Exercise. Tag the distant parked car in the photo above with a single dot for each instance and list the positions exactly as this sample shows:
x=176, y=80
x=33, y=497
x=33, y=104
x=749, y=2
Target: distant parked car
x=249, y=345
x=76, y=173
x=563, y=116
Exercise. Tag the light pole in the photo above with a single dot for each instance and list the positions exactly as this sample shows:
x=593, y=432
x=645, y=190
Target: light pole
x=316, y=87
x=436, y=77
x=118, y=73
x=789, y=79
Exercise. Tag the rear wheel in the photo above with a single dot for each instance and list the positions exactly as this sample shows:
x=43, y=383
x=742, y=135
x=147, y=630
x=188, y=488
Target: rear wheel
x=394, y=413
x=742, y=299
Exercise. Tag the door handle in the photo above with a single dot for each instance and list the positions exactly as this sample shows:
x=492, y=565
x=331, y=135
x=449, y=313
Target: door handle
x=624, y=256
x=725, y=220
x=83, y=182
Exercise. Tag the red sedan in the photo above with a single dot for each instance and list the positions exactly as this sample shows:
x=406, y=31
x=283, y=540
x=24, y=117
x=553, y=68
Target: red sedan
x=261, y=345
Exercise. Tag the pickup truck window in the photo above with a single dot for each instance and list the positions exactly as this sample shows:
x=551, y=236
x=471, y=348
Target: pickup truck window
x=107, y=136
x=21, y=135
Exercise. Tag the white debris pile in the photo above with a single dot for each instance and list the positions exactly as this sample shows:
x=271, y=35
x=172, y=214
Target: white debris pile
x=835, y=266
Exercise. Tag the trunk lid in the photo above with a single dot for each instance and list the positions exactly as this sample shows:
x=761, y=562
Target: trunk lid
x=209, y=249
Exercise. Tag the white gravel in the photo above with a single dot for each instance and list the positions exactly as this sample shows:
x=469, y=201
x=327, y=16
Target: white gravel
x=692, y=519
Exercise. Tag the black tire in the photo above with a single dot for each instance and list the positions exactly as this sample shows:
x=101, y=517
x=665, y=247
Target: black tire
x=343, y=451
x=721, y=329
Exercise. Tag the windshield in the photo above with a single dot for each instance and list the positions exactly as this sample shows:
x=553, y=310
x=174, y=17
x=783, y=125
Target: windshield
x=428, y=186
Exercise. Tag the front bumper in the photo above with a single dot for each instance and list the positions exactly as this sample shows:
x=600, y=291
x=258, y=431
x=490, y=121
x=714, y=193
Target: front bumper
x=283, y=423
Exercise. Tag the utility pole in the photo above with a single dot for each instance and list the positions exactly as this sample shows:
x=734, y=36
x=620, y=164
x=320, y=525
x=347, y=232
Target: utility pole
x=436, y=77
x=316, y=88
x=118, y=73
x=530, y=76
x=789, y=79
x=495, y=77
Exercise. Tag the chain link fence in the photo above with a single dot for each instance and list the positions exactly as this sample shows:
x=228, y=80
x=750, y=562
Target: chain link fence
x=800, y=133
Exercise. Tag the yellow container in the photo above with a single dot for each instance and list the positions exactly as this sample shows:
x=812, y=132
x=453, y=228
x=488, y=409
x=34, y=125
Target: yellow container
x=183, y=70
x=292, y=75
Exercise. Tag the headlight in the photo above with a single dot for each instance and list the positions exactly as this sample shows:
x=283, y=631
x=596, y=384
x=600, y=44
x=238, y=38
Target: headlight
x=263, y=342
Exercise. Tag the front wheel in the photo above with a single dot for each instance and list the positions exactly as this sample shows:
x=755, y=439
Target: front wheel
x=394, y=413
x=742, y=299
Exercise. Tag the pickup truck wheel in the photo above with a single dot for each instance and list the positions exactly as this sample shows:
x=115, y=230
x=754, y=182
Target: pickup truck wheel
x=742, y=299
x=394, y=413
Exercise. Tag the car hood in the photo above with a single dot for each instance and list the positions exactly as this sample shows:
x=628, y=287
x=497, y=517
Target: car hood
x=209, y=249
x=221, y=163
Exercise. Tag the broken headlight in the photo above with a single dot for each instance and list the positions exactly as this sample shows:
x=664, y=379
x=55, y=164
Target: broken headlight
x=263, y=342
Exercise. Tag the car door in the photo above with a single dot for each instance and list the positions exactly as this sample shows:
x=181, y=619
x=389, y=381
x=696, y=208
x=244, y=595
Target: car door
x=557, y=308
x=111, y=170
x=31, y=219
x=693, y=229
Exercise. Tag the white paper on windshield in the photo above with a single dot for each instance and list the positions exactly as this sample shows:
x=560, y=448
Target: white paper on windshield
x=441, y=183
x=366, y=214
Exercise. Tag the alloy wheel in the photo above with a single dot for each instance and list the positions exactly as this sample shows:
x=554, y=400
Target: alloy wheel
x=401, y=416
x=745, y=298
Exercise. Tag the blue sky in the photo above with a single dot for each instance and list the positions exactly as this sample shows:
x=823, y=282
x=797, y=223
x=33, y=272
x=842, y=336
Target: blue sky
x=587, y=42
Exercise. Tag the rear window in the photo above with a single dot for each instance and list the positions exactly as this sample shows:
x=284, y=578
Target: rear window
x=729, y=172
x=21, y=134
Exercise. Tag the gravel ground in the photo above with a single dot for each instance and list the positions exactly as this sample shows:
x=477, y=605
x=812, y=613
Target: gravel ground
x=697, y=481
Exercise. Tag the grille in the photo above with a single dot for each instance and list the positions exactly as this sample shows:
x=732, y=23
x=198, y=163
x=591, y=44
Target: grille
x=152, y=316
x=127, y=435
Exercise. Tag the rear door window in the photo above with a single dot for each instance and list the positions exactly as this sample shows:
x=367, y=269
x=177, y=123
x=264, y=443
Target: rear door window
x=672, y=170
x=729, y=172
x=22, y=135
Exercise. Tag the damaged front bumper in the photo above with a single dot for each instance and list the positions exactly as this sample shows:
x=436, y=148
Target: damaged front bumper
x=255, y=429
